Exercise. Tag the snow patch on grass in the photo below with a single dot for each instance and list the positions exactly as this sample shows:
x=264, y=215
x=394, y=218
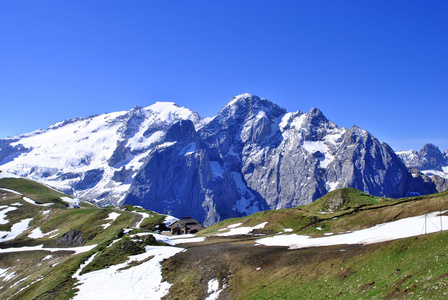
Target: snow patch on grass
x=37, y=233
x=143, y=281
x=213, y=289
x=77, y=250
x=83, y=265
x=9, y=276
x=187, y=240
x=11, y=191
x=234, y=225
x=112, y=216
x=3, y=272
x=31, y=201
x=72, y=201
x=144, y=216
x=242, y=230
x=16, y=230
x=175, y=240
x=4, y=210
x=403, y=228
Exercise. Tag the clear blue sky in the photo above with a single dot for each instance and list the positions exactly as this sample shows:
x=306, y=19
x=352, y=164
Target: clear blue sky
x=381, y=65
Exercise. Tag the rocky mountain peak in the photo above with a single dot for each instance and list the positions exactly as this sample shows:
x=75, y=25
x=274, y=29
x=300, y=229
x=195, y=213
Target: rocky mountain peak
x=251, y=156
x=250, y=105
x=428, y=159
x=182, y=131
x=242, y=99
x=170, y=112
x=432, y=157
x=430, y=150
x=314, y=125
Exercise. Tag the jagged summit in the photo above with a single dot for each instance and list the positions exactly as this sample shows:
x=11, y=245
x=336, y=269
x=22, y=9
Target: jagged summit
x=171, y=111
x=247, y=103
x=253, y=155
x=429, y=162
x=246, y=97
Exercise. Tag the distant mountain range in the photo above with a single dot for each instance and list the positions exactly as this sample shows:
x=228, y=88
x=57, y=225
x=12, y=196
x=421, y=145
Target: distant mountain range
x=430, y=160
x=251, y=156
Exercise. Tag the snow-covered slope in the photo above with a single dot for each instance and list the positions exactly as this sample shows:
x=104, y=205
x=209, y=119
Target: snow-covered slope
x=403, y=228
x=96, y=157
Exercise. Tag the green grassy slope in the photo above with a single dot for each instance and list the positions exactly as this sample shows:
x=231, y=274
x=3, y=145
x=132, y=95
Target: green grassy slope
x=407, y=268
x=339, y=211
x=44, y=274
x=412, y=268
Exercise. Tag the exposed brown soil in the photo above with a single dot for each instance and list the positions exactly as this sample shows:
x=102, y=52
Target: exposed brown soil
x=396, y=292
x=229, y=258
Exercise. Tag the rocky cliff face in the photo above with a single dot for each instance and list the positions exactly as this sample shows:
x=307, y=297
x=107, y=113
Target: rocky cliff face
x=182, y=178
x=429, y=165
x=252, y=156
x=428, y=158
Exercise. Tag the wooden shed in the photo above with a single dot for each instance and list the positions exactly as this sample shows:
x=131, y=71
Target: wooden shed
x=186, y=225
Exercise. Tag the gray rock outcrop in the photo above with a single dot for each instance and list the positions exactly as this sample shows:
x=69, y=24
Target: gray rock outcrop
x=254, y=156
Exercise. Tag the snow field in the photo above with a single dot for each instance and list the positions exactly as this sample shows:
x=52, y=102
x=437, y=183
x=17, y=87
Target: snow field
x=213, y=289
x=16, y=230
x=112, y=216
x=37, y=233
x=4, y=209
x=31, y=201
x=77, y=250
x=236, y=230
x=81, y=145
x=143, y=281
x=71, y=201
x=403, y=228
x=11, y=191
x=186, y=238
x=174, y=240
x=144, y=216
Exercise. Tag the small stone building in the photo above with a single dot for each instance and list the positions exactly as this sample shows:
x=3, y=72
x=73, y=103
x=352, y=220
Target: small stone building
x=186, y=225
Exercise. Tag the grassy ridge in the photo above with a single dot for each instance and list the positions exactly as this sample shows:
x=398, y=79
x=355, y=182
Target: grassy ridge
x=407, y=268
x=34, y=190
x=43, y=274
x=339, y=211
x=413, y=268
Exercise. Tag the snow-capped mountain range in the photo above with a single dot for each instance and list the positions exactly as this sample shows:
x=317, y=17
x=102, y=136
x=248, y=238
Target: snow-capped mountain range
x=429, y=160
x=251, y=156
x=94, y=158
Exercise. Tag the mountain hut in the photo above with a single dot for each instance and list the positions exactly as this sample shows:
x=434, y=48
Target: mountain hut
x=186, y=225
